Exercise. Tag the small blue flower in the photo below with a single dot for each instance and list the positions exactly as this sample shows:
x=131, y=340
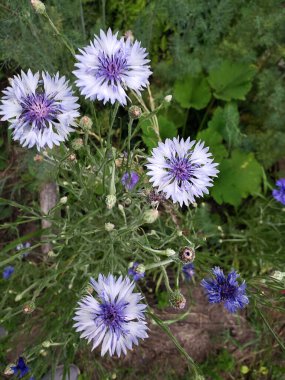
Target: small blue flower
x=188, y=271
x=129, y=180
x=226, y=289
x=114, y=317
x=7, y=272
x=136, y=271
x=21, y=369
x=279, y=194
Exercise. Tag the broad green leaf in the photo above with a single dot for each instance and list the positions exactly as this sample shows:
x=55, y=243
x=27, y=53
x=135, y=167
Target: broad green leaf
x=226, y=122
x=231, y=80
x=213, y=140
x=239, y=177
x=192, y=91
x=167, y=128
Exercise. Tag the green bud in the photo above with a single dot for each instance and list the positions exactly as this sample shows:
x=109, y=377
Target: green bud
x=150, y=216
x=110, y=201
x=177, y=300
x=109, y=227
x=38, y=6
x=77, y=144
x=135, y=112
x=187, y=255
x=29, y=307
x=86, y=123
x=244, y=369
x=46, y=344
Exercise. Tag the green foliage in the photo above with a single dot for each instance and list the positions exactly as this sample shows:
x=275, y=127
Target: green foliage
x=192, y=91
x=231, y=80
x=240, y=176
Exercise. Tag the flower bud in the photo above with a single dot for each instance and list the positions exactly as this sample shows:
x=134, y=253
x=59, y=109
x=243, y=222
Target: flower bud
x=135, y=112
x=18, y=297
x=38, y=158
x=46, y=344
x=63, y=200
x=109, y=227
x=29, y=307
x=77, y=144
x=136, y=270
x=88, y=289
x=38, y=6
x=177, y=300
x=110, y=201
x=51, y=254
x=168, y=98
x=8, y=370
x=169, y=252
x=187, y=255
x=86, y=123
x=150, y=216
x=43, y=353
x=72, y=157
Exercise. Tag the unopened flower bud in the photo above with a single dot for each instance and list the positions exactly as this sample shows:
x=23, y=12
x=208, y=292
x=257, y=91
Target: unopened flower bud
x=18, y=297
x=72, y=157
x=110, y=201
x=29, y=307
x=88, y=289
x=77, y=144
x=109, y=227
x=135, y=112
x=8, y=370
x=86, y=123
x=43, y=352
x=63, y=200
x=177, y=300
x=38, y=158
x=168, y=98
x=136, y=270
x=187, y=255
x=169, y=252
x=51, y=254
x=38, y=6
x=150, y=216
x=46, y=344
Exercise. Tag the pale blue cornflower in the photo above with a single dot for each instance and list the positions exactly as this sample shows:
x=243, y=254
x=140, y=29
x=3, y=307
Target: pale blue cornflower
x=41, y=110
x=182, y=169
x=115, y=318
x=129, y=180
x=109, y=66
x=226, y=290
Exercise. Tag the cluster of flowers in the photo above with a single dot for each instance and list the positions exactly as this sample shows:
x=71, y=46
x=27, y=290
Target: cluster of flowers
x=42, y=111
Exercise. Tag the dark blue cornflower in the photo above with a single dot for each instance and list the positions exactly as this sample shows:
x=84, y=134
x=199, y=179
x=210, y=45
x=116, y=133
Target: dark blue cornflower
x=279, y=194
x=7, y=272
x=21, y=369
x=129, y=180
x=188, y=271
x=136, y=271
x=226, y=289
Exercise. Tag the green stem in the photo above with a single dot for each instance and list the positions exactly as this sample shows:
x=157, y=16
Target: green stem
x=129, y=140
x=191, y=364
x=166, y=280
x=159, y=264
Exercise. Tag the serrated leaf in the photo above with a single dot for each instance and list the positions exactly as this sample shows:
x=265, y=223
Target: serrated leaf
x=192, y=91
x=231, y=80
x=167, y=128
x=239, y=177
x=213, y=140
x=226, y=122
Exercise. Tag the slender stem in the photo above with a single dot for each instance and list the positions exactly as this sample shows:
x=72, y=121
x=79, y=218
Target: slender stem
x=159, y=264
x=166, y=280
x=129, y=140
x=82, y=20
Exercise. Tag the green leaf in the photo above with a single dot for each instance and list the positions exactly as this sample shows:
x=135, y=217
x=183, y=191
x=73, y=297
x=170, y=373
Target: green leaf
x=231, y=80
x=213, y=140
x=239, y=177
x=167, y=128
x=226, y=122
x=192, y=91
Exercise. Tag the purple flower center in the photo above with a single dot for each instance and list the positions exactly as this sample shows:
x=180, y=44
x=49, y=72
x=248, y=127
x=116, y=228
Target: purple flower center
x=227, y=291
x=38, y=109
x=181, y=168
x=112, y=67
x=113, y=315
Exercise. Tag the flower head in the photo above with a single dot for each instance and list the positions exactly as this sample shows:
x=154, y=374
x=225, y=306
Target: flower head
x=7, y=272
x=226, y=289
x=21, y=369
x=182, y=169
x=114, y=318
x=279, y=194
x=137, y=271
x=129, y=180
x=188, y=270
x=109, y=66
x=40, y=111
